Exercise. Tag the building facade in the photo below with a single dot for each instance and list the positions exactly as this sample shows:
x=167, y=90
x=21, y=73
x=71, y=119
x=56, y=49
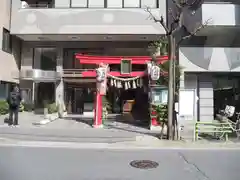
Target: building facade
x=51, y=32
x=9, y=51
x=210, y=60
x=40, y=39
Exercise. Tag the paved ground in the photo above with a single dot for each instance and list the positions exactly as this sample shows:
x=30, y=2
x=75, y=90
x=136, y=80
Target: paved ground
x=28, y=163
x=78, y=129
x=69, y=135
x=26, y=119
x=71, y=129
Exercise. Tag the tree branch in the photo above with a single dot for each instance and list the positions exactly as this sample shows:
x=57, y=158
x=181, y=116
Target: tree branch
x=161, y=20
x=185, y=3
x=178, y=5
x=195, y=31
x=175, y=17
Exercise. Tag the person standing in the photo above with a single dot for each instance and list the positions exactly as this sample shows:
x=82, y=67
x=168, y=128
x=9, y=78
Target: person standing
x=14, y=99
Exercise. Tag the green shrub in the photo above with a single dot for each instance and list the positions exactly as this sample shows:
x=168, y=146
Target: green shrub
x=3, y=107
x=28, y=107
x=162, y=112
x=106, y=103
x=52, y=108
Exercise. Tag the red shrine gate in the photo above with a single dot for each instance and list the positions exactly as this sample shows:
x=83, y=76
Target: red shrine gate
x=103, y=72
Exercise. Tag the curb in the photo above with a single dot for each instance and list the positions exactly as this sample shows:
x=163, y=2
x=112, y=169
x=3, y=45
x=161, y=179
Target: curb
x=115, y=146
x=109, y=146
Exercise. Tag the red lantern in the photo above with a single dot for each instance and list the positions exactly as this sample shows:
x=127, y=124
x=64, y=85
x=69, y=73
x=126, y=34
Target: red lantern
x=153, y=113
x=154, y=121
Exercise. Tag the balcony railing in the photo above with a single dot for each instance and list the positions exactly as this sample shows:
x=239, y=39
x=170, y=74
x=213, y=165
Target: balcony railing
x=74, y=73
x=37, y=75
x=104, y=4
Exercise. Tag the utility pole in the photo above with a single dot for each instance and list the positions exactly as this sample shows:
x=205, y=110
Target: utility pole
x=171, y=87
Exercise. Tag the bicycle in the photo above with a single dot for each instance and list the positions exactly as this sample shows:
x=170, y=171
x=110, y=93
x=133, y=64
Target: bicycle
x=234, y=126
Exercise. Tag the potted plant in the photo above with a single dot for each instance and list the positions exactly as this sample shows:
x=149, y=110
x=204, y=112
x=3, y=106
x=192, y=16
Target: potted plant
x=162, y=116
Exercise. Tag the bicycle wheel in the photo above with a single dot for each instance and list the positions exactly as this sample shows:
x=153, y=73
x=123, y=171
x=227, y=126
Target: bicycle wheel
x=238, y=129
x=221, y=134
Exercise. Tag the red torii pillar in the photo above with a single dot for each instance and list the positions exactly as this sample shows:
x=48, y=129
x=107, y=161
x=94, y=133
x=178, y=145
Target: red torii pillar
x=101, y=88
x=97, y=121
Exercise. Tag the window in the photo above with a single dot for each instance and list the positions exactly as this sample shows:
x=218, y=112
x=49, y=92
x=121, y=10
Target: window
x=126, y=66
x=131, y=3
x=114, y=3
x=26, y=95
x=149, y=3
x=79, y=3
x=159, y=96
x=96, y=3
x=2, y=91
x=48, y=59
x=6, y=41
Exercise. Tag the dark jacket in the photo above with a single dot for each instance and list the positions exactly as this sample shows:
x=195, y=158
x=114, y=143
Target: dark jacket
x=19, y=99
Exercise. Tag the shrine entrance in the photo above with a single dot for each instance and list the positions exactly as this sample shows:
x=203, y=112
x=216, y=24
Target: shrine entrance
x=121, y=85
x=126, y=101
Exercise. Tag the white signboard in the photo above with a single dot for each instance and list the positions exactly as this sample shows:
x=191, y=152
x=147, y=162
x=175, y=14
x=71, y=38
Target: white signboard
x=101, y=74
x=187, y=104
x=155, y=73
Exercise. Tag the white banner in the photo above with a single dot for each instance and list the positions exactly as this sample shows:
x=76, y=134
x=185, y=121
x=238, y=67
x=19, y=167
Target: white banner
x=155, y=72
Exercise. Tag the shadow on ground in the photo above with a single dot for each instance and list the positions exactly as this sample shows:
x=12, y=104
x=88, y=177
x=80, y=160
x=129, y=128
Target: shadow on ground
x=211, y=137
x=125, y=122
x=80, y=119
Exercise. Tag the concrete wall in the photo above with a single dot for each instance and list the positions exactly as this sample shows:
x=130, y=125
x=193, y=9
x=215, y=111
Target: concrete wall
x=9, y=62
x=209, y=59
x=220, y=15
x=84, y=20
x=206, y=109
x=203, y=86
x=201, y=63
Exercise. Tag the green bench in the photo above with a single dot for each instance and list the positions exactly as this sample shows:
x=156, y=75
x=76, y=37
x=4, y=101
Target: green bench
x=222, y=129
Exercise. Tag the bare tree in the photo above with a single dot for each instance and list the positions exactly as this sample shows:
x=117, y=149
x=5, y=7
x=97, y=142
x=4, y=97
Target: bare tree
x=176, y=32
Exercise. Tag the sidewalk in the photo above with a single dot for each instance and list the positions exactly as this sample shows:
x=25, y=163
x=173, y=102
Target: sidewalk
x=79, y=131
x=26, y=119
x=70, y=130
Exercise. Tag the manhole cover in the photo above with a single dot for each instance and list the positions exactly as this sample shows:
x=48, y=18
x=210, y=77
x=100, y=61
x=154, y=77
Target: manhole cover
x=144, y=164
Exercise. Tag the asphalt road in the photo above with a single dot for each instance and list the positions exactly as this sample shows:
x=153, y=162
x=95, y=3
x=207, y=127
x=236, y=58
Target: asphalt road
x=31, y=163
